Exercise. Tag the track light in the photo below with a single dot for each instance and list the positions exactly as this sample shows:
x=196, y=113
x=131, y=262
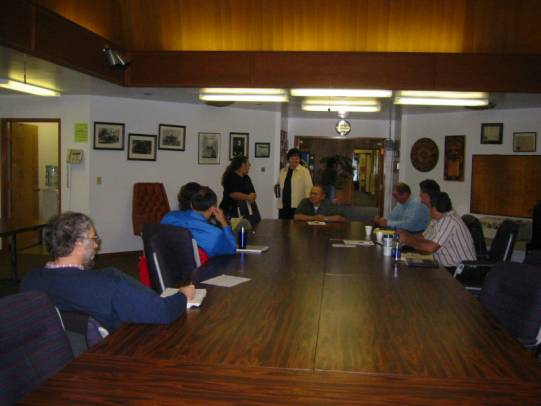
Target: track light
x=116, y=61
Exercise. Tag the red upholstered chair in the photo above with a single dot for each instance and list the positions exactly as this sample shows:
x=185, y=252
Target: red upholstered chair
x=150, y=204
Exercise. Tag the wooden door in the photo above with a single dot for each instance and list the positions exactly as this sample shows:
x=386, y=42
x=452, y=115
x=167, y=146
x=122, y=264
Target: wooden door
x=24, y=190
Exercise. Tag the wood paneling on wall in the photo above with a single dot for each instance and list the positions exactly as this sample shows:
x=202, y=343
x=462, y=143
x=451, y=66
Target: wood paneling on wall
x=476, y=26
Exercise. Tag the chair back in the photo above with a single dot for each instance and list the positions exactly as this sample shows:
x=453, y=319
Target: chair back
x=83, y=331
x=476, y=231
x=535, y=242
x=503, y=243
x=512, y=293
x=171, y=254
x=150, y=204
x=33, y=344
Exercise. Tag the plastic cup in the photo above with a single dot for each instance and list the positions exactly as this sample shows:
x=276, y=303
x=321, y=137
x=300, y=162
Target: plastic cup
x=379, y=236
x=388, y=241
x=368, y=231
x=387, y=251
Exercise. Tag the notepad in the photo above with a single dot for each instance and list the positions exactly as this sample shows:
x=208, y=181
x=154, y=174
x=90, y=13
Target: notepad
x=362, y=243
x=195, y=302
x=337, y=245
x=226, y=281
x=316, y=223
x=253, y=249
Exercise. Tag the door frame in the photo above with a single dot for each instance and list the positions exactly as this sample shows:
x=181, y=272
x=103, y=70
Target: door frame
x=5, y=139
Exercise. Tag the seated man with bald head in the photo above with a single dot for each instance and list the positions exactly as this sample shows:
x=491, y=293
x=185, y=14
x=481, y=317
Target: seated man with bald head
x=317, y=208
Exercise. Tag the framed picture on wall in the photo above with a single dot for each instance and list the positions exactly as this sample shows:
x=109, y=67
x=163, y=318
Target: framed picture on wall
x=171, y=137
x=525, y=142
x=453, y=168
x=238, y=144
x=491, y=133
x=208, y=148
x=141, y=147
x=262, y=149
x=109, y=136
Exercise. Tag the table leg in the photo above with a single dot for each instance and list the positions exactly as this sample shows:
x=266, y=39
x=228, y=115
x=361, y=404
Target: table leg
x=13, y=255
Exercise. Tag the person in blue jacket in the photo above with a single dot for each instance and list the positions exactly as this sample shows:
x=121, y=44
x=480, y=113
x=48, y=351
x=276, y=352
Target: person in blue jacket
x=109, y=296
x=213, y=239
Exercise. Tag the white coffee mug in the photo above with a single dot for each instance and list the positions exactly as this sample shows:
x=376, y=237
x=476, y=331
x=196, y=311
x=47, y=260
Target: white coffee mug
x=368, y=230
x=379, y=236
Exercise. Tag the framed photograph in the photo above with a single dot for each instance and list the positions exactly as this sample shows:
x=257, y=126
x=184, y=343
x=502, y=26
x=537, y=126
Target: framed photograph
x=171, y=137
x=141, y=147
x=109, y=136
x=524, y=142
x=238, y=144
x=208, y=148
x=491, y=133
x=262, y=149
x=453, y=168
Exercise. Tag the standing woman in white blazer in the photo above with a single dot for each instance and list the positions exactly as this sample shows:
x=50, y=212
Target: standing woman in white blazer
x=295, y=184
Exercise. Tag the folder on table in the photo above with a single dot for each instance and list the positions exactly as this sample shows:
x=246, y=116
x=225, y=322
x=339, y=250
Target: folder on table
x=253, y=249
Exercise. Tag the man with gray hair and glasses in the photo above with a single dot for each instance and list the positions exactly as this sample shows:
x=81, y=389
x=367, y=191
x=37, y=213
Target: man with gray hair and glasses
x=109, y=296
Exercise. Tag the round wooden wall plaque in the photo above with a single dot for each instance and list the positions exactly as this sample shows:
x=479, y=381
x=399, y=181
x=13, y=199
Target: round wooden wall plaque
x=424, y=154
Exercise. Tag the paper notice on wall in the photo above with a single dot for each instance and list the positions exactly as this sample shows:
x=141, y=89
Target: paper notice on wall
x=81, y=132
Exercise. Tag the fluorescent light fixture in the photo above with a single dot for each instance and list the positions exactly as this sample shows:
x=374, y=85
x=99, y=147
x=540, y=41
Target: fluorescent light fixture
x=243, y=95
x=434, y=98
x=359, y=106
x=445, y=95
x=341, y=93
x=427, y=101
x=26, y=88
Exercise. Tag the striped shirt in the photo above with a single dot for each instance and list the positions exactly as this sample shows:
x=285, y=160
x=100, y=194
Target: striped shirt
x=454, y=239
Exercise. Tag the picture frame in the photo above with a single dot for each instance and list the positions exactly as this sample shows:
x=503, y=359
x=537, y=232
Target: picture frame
x=525, y=142
x=208, y=150
x=262, y=150
x=142, y=147
x=455, y=147
x=171, y=137
x=491, y=133
x=108, y=136
x=238, y=144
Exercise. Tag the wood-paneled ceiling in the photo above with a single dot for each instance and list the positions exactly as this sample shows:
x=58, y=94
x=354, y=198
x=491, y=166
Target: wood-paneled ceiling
x=451, y=26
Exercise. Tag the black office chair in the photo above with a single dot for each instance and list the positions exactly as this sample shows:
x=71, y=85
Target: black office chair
x=512, y=293
x=83, y=331
x=476, y=231
x=33, y=344
x=172, y=255
x=472, y=273
x=533, y=257
x=535, y=242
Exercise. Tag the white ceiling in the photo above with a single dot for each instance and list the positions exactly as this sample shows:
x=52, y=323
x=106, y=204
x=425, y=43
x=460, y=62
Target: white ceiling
x=70, y=82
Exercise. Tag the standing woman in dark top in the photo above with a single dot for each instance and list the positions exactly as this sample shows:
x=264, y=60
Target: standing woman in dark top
x=238, y=189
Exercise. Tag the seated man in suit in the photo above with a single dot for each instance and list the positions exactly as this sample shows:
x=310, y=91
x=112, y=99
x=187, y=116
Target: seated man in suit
x=409, y=213
x=317, y=208
x=213, y=239
x=109, y=296
x=448, y=238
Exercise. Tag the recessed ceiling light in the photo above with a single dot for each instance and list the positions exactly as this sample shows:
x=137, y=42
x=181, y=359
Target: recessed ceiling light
x=342, y=92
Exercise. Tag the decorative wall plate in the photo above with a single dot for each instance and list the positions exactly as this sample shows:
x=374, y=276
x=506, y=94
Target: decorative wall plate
x=424, y=154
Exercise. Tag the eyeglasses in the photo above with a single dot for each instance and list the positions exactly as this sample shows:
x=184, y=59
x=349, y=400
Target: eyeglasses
x=96, y=239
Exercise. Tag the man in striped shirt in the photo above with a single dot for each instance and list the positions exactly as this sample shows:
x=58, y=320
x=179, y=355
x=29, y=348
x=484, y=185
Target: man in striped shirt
x=448, y=238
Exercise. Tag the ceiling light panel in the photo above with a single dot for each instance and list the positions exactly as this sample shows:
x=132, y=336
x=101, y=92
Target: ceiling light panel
x=446, y=95
x=427, y=101
x=245, y=97
x=231, y=90
x=27, y=88
x=341, y=93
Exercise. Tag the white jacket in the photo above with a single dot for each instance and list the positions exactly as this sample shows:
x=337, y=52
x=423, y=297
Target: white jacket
x=301, y=184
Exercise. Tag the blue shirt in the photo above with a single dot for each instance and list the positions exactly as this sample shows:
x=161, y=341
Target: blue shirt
x=109, y=296
x=214, y=240
x=412, y=216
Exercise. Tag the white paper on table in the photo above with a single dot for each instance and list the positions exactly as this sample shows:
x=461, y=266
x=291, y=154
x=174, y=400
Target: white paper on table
x=226, y=281
x=344, y=246
x=365, y=243
x=195, y=302
x=317, y=223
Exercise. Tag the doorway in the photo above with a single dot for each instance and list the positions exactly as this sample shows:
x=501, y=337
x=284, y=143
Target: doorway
x=30, y=172
x=362, y=194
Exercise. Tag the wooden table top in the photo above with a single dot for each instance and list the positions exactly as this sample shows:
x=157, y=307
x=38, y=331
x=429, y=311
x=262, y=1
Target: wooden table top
x=11, y=226
x=315, y=324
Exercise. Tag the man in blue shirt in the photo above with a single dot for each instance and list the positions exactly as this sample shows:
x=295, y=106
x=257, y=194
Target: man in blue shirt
x=214, y=240
x=109, y=296
x=409, y=213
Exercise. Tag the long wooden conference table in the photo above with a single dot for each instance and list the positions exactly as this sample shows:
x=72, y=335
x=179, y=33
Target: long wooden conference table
x=314, y=325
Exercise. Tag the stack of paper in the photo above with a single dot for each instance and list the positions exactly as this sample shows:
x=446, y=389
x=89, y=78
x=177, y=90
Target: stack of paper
x=195, y=302
x=253, y=249
x=362, y=243
x=316, y=223
x=226, y=281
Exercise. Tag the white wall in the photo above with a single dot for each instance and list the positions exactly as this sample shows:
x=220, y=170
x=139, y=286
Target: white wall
x=437, y=126
x=111, y=201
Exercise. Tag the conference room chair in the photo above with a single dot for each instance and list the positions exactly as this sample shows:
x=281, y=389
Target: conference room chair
x=149, y=205
x=33, y=344
x=472, y=273
x=512, y=293
x=533, y=257
x=476, y=231
x=535, y=242
x=83, y=331
x=172, y=255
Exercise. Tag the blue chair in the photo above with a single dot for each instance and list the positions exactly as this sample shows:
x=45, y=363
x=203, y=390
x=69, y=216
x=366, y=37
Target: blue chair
x=33, y=344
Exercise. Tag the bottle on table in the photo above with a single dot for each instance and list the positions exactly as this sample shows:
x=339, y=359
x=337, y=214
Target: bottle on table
x=243, y=238
x=396, y=248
